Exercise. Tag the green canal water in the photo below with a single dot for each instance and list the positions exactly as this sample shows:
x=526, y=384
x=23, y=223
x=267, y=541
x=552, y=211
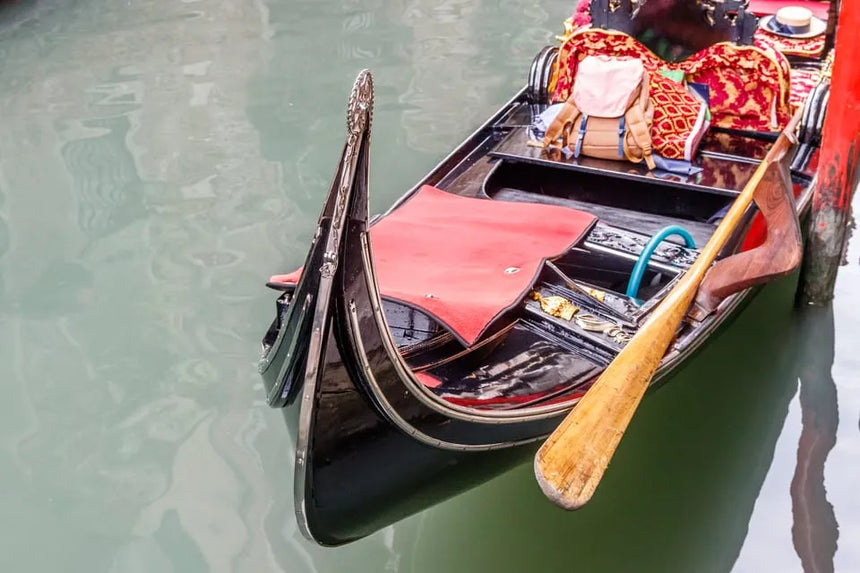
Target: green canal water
x=159, y=159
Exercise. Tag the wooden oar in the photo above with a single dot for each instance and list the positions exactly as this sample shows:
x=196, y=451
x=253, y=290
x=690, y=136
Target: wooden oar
x=571, y=462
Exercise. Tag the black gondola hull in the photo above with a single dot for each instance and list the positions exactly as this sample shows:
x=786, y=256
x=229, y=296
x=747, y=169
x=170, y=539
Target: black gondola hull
x=374, y=444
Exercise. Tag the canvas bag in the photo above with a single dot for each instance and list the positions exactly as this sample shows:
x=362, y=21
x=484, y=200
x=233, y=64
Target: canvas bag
x=608, y=114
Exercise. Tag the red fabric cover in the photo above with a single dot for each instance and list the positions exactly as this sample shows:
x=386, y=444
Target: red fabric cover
x=804, y=47
x=457, y=249
x=802, y=82
x=749, y=85
x=767, y=7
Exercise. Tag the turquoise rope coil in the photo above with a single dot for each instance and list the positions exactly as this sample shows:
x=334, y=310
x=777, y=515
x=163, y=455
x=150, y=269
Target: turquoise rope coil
x=650, y=247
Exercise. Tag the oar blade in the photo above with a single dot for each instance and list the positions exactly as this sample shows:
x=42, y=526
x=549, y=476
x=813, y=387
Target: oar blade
x=571, y=463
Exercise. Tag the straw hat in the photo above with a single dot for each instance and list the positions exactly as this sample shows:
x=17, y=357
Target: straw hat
x=793, y=22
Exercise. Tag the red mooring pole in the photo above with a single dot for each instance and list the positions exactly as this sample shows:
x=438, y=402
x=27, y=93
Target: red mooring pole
x=837, y=168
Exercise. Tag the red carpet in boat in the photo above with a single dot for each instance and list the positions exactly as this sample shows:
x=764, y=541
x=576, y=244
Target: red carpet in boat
x=464, y=261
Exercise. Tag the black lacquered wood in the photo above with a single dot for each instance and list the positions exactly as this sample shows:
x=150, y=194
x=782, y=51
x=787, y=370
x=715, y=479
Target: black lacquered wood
x=375, y=444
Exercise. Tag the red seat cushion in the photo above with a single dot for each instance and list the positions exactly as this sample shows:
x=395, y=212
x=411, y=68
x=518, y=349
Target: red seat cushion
x=802, y=82
x=465, y=261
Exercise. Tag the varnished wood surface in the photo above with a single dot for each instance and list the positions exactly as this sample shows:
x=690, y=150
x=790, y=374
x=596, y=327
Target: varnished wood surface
x=570, y=464
x=780, y=253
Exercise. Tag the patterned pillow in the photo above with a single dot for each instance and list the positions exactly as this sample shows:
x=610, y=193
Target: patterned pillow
x=680, y=118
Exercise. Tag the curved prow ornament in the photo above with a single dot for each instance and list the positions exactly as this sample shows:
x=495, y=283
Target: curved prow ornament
x=349, y=185
x=360, y=110
x=358, y=118
x=287, y=355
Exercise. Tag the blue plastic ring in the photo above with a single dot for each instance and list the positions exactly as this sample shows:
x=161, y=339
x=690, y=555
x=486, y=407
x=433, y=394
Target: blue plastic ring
x=650, y=247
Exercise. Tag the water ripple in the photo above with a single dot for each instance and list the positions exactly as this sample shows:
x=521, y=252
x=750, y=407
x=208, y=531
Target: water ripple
x=159, y=159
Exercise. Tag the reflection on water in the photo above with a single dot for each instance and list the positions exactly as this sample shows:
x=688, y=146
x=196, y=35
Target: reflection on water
x=814, y=530
x=159, y=159
x=106, y=183
x=696, y=454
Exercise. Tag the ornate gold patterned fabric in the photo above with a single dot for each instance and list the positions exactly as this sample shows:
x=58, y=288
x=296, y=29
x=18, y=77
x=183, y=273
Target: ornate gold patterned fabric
x=749, y=85
x=803, y=47
x=679, y=118
x=802, y=82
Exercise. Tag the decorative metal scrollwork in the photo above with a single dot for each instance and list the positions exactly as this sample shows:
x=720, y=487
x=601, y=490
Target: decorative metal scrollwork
x=595, y=324
x=359, y=115
x=734, y=15
x=360, y=111
x=633, y=244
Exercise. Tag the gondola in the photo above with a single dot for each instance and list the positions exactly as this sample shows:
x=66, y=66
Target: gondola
x=420, y=352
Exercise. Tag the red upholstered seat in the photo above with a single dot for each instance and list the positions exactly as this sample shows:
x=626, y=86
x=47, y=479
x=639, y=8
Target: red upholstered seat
x=803, y=47
x=802, y=83
x=465, y=261
x=749, y=85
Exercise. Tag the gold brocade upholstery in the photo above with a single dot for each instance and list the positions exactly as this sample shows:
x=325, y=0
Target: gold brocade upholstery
x=749, y=85
x=802, y=82
x=803, y=47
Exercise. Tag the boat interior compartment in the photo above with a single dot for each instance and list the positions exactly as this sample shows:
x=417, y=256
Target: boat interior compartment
x=719, y=175
x=626, y=202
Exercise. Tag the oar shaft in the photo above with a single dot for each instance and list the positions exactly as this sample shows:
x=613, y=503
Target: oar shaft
x=572, y=461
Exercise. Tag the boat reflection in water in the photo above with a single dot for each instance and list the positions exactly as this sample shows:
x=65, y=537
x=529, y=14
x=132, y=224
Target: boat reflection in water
x=682, y=488
x=815, y=530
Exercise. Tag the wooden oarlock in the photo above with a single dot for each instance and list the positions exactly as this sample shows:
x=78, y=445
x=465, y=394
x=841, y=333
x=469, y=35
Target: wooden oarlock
x=778, y=255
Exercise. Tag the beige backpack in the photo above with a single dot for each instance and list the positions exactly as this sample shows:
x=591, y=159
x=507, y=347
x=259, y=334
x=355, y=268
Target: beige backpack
x=608, y=114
